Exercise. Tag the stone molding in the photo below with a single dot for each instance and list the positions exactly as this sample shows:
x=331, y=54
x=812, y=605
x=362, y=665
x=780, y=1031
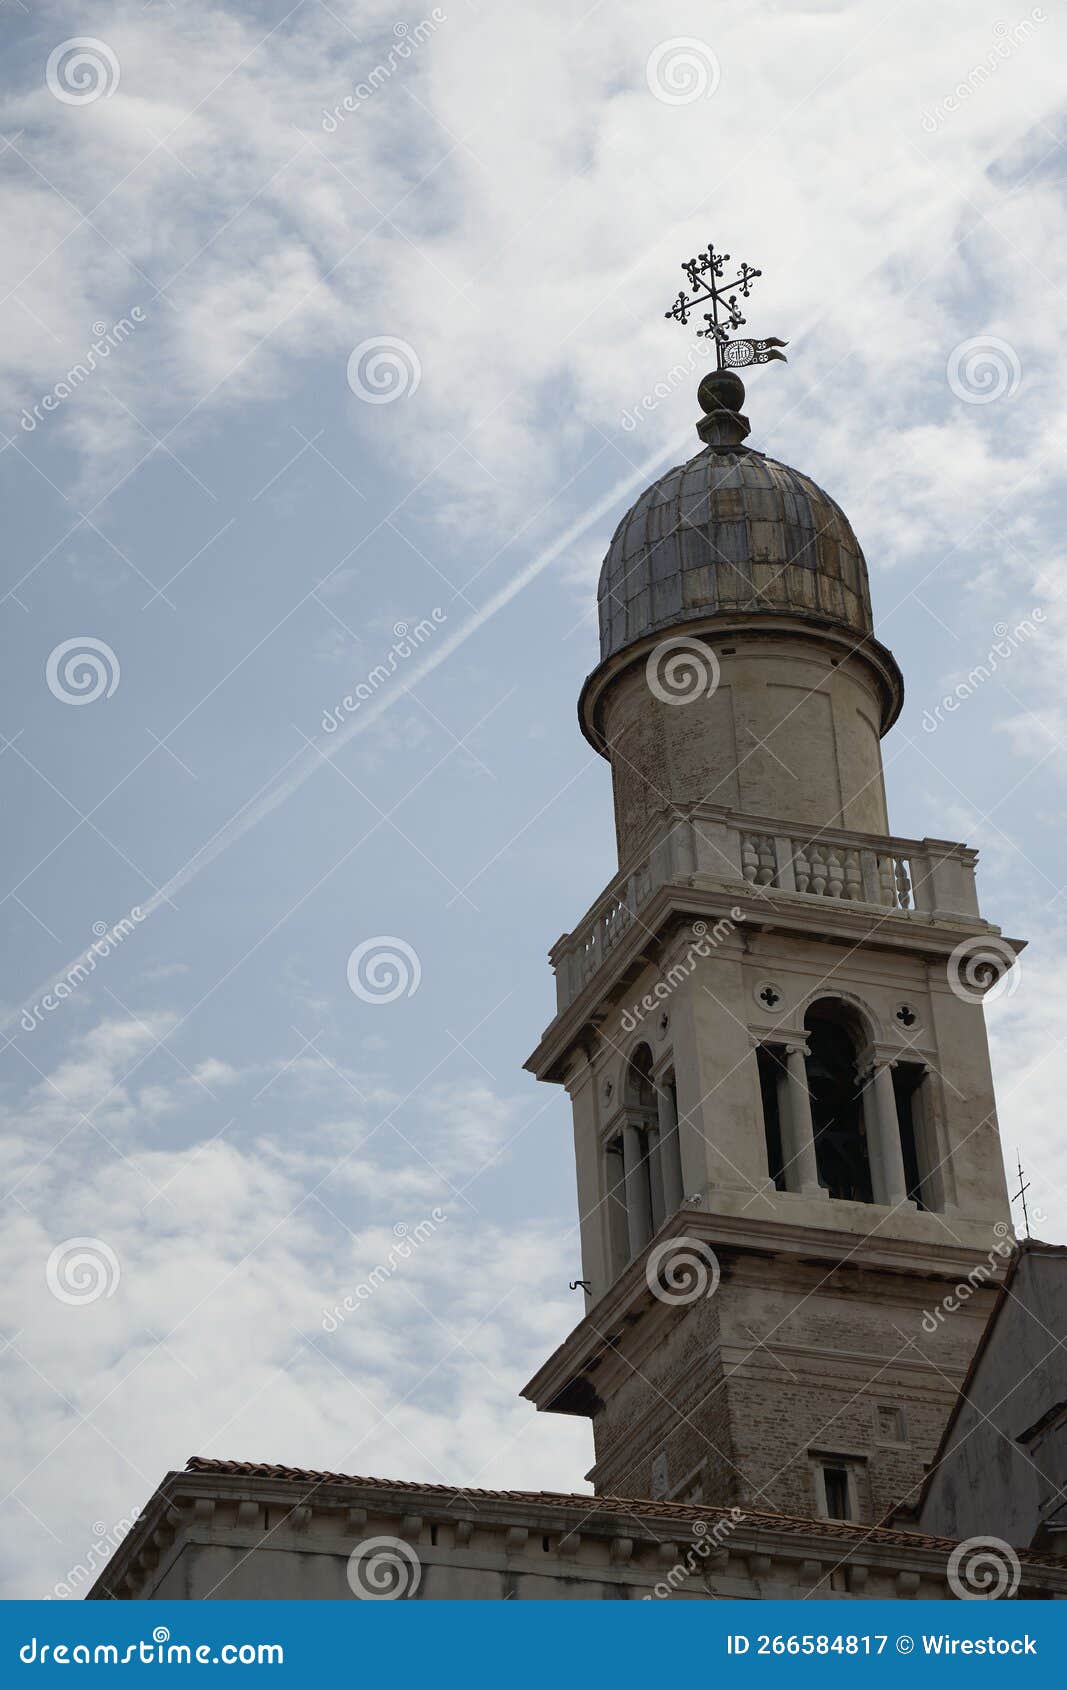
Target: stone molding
x=623, y=1541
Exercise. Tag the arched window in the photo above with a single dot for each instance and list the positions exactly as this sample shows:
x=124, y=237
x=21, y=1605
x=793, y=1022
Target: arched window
x=842, y=1150
x=644, y=1173
x=847, y=1117
x=640, y=1091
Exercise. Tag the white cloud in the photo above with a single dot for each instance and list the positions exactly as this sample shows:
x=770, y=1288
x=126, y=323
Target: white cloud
x=530, y=261
x=514, y=203
x=213, y=1339
x=1028, y=1045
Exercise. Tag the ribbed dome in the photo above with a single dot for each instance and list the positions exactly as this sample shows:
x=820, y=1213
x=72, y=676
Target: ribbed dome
x=730, y=531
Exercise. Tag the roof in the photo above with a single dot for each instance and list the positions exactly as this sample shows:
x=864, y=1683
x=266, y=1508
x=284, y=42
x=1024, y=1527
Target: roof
x=1027, y=1247
x=730, y=531
x=650, y=1508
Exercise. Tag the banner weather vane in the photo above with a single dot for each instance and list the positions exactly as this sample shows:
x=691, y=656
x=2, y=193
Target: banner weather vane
x=705, y=275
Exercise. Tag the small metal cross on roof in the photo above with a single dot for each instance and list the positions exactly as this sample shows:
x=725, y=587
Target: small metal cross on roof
x=705, y=274
x=1020, y=1195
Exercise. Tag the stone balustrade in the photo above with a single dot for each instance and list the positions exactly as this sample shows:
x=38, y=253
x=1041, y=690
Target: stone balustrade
x=925, y=879
x=831, y=868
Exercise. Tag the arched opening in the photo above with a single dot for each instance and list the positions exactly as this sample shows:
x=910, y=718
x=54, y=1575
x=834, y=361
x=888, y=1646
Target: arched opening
x=644, y=1170
x=640, y=1091
x=842, y=1148
x=644, y=1190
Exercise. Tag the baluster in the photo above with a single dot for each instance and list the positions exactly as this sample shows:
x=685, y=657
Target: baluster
x=768, y=862
x=596, y=947
x=818, y=870
x=853, y=877
x=835, y=874
x=885, y=881
x=749, y=858
x=903, y=884
x=801, y=866
x=631, y=898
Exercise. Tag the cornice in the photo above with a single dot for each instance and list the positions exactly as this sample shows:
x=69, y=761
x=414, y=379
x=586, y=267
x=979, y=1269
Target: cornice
x=739, y=626
x=220, y=1503
x=763, y=909
x=565, y=1382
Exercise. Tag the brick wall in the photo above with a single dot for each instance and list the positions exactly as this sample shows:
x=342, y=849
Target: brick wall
x=784, y=1368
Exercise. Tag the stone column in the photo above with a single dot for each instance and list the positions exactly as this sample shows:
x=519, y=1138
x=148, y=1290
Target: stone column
x=802, y=1172
x=654, y=1147
x=670, y=1152
x=880, y=1113
x=635, y=1177
x=598, y=1257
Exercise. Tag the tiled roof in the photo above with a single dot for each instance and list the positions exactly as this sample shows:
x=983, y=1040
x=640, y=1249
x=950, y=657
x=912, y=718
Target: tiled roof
x=683, y=1513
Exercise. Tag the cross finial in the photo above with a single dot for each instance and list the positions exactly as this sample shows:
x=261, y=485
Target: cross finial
x=1024, y=1186
x=705, y=275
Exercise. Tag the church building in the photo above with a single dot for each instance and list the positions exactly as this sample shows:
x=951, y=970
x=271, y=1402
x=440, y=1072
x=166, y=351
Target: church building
x=793, y=1210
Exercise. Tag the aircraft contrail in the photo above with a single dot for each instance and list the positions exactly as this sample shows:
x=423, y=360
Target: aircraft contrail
x=313, y=756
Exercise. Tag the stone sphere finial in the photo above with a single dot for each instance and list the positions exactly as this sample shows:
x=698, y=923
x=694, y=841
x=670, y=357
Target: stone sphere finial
x=721, y=390
x=721, y=395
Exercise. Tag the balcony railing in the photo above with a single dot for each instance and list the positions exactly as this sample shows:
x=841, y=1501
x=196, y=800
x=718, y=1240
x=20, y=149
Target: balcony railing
x=919, y=878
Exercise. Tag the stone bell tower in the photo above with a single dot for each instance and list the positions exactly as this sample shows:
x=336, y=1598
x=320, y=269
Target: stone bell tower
x=790, y=1187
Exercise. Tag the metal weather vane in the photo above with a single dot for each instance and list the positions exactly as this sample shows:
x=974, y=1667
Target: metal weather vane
x=705, y=274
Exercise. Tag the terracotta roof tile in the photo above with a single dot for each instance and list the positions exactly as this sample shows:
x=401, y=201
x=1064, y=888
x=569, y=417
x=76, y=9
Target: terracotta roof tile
x=841, y=1531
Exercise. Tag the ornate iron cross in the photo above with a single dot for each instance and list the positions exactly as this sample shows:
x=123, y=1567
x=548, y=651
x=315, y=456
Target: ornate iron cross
x=705, y=274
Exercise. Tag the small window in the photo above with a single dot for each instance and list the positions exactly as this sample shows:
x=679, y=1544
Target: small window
x=690, y=1487
x=660, y=1477
x=836, y=1493
x=890, y=1424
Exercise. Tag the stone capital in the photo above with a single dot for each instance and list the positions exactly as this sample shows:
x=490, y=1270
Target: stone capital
x=787, y=1038
x=877, y=1055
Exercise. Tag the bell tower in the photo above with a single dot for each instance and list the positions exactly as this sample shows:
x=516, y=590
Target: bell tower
x=792, y=1202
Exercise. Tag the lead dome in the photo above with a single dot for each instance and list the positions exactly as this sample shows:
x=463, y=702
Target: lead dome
x=730, y=531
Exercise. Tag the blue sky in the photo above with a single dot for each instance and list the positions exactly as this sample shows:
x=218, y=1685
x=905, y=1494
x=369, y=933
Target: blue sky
x=245, y=533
